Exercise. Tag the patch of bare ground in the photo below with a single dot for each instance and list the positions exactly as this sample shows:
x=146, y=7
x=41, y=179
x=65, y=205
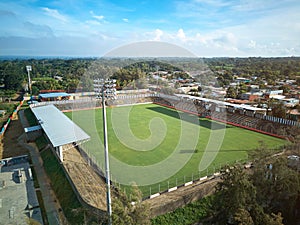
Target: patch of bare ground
x=89, y=184
x=9, y=146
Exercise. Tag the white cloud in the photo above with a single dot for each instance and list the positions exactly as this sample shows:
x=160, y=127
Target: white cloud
x=55, y=14
x=158, y=34
x=93, y=22
x=252, y=44
x=98, y=17
x=215, y=43
x=181, y=35
x=125, y=20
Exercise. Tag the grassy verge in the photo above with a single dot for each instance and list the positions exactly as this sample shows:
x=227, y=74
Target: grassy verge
x=30, y=117
x=190, y=214
x=62, y=188
x=42, y=206
x=9, y=107
x=41, y=142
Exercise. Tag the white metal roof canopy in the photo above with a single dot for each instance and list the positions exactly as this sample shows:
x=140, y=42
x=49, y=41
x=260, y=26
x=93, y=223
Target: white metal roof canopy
x=58, y=127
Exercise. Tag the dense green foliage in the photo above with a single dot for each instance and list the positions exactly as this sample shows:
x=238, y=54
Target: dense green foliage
x=187, y=215
x=126, y=213
x=9, y=107
x=77, y=74
x=268, y=69
x=267, y=196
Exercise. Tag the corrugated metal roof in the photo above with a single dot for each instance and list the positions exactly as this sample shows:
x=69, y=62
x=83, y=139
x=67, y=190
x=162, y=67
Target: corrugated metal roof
x=58, y=127
x=54, y=95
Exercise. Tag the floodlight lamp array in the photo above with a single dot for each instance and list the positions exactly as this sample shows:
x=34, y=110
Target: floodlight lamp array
x=107, y=87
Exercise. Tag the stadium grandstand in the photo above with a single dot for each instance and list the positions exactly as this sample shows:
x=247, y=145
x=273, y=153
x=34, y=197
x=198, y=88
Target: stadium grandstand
x=58, y=128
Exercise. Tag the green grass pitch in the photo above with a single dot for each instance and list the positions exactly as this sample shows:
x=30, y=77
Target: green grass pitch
x=138, y=147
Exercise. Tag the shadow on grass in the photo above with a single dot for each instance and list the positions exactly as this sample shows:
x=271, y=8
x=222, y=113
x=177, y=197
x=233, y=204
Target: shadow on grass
x=209, y=124
x=190, y=151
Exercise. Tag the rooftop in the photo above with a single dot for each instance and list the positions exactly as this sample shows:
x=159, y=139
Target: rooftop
x=18, y=201
x=54, y=95
x=58, y=127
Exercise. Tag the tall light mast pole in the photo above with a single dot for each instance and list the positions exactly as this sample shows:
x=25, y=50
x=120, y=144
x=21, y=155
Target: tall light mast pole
x=29, y=68
x=107, y=88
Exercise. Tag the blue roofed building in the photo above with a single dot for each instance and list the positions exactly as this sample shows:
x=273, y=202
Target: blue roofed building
x=54, y=96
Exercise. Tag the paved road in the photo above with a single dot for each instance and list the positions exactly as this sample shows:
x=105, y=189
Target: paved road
x=52, y=206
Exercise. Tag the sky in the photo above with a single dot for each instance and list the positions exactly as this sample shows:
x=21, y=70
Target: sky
x=206, y=28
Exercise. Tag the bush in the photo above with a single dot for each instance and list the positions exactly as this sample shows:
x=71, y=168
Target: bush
x=186, y=215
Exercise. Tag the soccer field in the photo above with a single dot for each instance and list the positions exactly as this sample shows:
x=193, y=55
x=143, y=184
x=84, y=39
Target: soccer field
x=159, y=148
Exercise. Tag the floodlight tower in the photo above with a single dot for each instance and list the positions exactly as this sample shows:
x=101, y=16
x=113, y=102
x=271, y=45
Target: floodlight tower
x=29, y=68
x=157, y=76
x=108, y=91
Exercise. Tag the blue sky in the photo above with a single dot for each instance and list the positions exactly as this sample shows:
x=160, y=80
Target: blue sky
x=207, y=28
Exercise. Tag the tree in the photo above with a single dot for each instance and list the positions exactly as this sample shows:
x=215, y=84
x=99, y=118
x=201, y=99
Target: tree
x=242, y=89
x=279, y=110
x=7, y=95
x=86, y=83
x=298, y=81
x=279, y=187
x=231, y=92
x=285, y=88
x=130, y=211
x=13, y=77
x=235, y=195
x=260, y=197
x=243, y=217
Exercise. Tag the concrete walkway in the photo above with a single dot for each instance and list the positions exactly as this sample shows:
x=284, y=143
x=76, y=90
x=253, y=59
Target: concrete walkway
x=54, y=214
